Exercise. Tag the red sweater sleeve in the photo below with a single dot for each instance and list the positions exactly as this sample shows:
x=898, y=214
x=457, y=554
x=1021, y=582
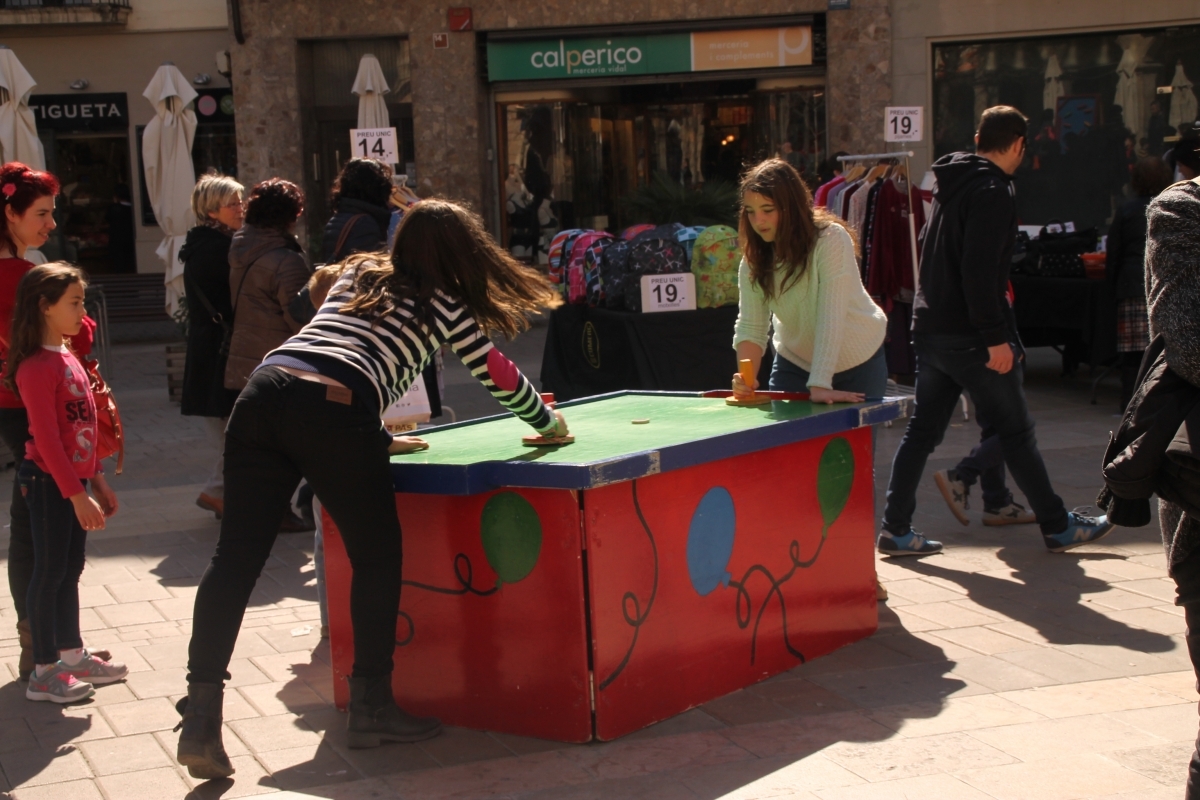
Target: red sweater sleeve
x=37, y=381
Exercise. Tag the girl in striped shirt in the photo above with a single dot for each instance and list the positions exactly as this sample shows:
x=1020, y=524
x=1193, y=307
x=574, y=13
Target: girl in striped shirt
x=312, y=410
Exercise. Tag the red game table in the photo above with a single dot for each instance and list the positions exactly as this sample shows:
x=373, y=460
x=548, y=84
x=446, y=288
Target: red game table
x=586, y=591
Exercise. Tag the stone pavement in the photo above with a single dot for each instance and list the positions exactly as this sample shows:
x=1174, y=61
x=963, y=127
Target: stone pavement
x=999, y=670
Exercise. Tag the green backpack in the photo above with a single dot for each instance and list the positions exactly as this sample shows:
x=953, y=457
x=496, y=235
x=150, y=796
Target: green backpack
x=715, y=259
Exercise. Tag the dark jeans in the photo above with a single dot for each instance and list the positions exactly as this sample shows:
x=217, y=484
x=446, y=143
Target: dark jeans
x=14, y=430
x=985, y=464
x=869, y=377
x=58, y=550
x=946, y=365
x=283, y=428
x=1187, y=587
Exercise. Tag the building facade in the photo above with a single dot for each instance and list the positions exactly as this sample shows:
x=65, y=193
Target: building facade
x=92, y=61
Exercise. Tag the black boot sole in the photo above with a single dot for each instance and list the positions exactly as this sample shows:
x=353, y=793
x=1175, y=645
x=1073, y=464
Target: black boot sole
x=362, y=740
x=202, y=765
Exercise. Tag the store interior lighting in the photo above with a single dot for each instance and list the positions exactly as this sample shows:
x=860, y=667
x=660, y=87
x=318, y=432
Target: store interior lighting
x=80, y=84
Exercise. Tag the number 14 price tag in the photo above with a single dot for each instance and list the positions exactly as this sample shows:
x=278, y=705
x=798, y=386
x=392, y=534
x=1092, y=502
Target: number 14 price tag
x=669, y=292
x=376, y=143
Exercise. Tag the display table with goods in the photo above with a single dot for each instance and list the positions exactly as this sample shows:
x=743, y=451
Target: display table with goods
x=679, y=549
x=607, y=336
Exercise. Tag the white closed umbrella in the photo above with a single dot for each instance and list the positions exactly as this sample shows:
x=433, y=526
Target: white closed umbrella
x=1052, y=87
x=1183, y=98
x=170, y=176
x=370, y=86
x=18, y=131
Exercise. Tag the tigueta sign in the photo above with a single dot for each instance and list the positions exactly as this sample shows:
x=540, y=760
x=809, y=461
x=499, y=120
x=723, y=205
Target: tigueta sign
x=659, y=54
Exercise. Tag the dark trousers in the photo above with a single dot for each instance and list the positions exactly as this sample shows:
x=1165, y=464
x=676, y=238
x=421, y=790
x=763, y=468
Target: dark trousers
x=985, y=464
x=283, y=428
x=946, y=365
x=58, y=551
x=14, y=430
x=1187, y=587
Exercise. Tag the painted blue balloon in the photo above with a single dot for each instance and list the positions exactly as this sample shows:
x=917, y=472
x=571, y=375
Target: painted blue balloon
x=710, y=541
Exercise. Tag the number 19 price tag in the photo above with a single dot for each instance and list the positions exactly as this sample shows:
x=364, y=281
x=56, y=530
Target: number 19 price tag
x=376, y=143
x=669, y=292
x=903, y=124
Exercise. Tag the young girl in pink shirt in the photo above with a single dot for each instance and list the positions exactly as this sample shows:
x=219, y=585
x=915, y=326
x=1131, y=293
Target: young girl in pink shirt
x=60, y=459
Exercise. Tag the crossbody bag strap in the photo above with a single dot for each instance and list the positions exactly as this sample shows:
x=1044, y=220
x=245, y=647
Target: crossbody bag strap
x=216, y=316
x=345, y=234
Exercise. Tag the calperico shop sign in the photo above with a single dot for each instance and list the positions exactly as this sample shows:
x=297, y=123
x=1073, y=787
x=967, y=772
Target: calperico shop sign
x=660, y=54
x=69, y=113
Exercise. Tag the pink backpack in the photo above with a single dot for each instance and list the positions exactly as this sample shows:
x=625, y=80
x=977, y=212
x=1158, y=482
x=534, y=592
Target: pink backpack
x=560, y=251
x=577, y=266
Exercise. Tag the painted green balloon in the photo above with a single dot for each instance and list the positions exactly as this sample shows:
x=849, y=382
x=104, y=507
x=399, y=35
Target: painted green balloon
x=512, y=536
x=835, y=477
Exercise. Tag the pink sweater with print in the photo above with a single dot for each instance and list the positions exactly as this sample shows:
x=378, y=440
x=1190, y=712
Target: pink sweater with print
x=62, y=417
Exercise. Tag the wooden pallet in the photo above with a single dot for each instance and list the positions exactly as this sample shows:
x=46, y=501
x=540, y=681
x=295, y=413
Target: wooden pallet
x=176, y=358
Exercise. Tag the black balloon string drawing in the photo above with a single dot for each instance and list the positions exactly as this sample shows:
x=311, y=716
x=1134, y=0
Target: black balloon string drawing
x=637, y=617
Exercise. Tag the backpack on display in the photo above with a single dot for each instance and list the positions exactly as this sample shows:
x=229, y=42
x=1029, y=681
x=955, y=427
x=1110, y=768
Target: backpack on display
x=632, y=232
x=613, y=265
x=715, y=260
x=1059, y=253
x=687, y=238
x=593, y=260
x=577, y=285
x=655, y=252
x=559, y=253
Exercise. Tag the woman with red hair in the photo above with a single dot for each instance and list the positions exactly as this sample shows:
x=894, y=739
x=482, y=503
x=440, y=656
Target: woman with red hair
x=27, y=219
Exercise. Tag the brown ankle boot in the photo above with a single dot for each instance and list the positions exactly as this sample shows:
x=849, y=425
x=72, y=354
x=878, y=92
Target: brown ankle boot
x=25, y=664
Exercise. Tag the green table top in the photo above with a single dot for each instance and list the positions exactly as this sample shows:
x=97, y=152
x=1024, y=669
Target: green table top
x=684, y=429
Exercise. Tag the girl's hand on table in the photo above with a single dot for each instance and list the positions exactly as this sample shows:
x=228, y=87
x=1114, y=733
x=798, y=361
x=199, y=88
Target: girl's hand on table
x=406, y=444
x=88, y=511
x=740, y=389
x=829, y=396
x=105, y=496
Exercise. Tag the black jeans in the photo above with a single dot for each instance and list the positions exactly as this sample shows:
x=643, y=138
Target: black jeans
x=14, y=430
x=1187, y=588
x=985, y=464
x=58, y=552
x=283, y=428
x=945, y=366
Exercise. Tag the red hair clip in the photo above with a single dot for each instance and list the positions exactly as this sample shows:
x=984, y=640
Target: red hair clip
x=9, y=189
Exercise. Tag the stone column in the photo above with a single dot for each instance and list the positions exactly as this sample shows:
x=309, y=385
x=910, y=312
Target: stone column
x=859, y=75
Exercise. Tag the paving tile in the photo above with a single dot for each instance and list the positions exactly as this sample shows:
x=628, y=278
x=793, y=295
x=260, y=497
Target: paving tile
x=741, y=707
x=926, y=787
x=688, y=722
x=802, y=737
x=927, y=755
x=293, y=696
x=957, y=714
x=1081, y=776
x=75, y=790
x=59, y=726
x=918, y=590
x=249, y=779
x=281, y=732
x=982, y=640
x=1070, y=700
x=164, y=782
x=650, y=787
x=496, y=778
x=999, y=675
x=1092, y=733
x=141, y=716
x=754, y=779
x=1164, y=763
x=307, y=766
x=41, y=767
x=158, y=683
x=461, y=746
x=1180, y=684
x=125, y=593
x=165, y=655
x=953, y=615
x=124, y=754
x=802, y=697
x=912, y=683
x=626, y=759
x=15, y=735
x=1060, y=666
x=380, y=761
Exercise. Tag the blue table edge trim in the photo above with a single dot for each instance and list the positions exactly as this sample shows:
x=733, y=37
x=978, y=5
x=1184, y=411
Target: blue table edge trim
x=486, y=476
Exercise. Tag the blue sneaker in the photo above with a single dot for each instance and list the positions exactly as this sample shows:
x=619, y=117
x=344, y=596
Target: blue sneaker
x=1081, y=529
x=910, y=544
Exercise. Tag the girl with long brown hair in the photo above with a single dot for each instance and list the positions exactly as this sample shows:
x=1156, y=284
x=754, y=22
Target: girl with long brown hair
x=60, y=460
x=799, y=275
x=312, y=409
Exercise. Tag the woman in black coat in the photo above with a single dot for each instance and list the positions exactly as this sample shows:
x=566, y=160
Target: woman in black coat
x=1126, y=250
x=361, y=215
x=217, y=203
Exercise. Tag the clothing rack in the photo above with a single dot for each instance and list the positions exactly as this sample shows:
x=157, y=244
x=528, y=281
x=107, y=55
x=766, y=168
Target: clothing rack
x=912, y=228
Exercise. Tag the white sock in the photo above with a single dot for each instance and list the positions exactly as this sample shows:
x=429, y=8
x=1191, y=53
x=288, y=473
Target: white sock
x=42, y=669
x=72, y=657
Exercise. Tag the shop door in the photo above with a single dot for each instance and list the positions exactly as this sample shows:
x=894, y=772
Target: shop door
x=95, y=222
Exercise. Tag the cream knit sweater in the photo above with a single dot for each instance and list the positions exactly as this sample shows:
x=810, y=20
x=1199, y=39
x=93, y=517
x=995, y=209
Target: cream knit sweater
x=826, y=322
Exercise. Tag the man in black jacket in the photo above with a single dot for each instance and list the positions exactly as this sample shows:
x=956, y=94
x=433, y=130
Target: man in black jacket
x=964, y=334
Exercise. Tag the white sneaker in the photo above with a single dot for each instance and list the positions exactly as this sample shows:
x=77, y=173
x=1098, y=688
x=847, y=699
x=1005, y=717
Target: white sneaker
x=96, y=671
x=57, y=685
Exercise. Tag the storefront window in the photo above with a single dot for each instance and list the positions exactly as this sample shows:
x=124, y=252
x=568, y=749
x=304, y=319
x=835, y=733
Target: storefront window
x=571, y=162
x=93, y=213
x=1096, y=104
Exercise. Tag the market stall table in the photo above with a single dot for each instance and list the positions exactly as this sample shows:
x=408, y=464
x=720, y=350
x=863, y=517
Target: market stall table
x=588, y=590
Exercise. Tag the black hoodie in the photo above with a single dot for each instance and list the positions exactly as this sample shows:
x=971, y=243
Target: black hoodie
x=967, y=252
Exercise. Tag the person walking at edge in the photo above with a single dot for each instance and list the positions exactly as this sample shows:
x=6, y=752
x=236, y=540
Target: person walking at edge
x=964, y=335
